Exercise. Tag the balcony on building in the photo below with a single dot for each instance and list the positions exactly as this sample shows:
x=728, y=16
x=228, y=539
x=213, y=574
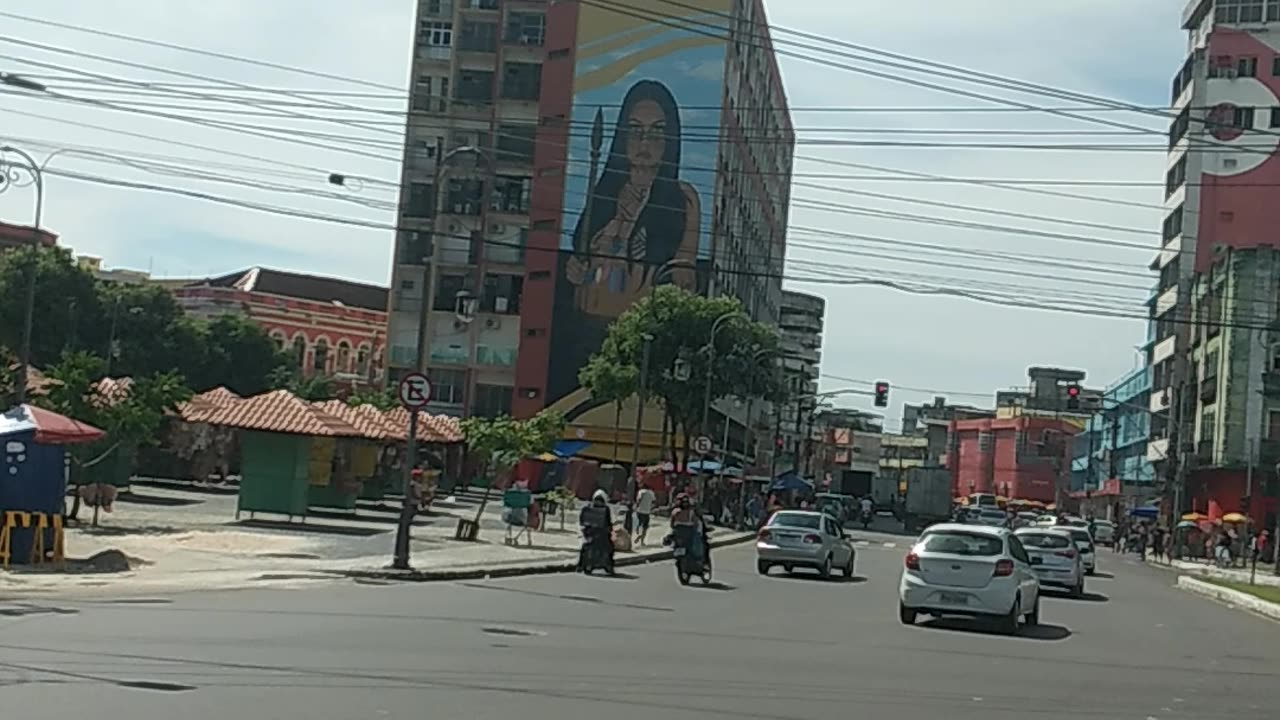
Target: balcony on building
x=464, y=196
x=510, y=194
x=473, y=93
x=514, y=145
x=524, y=35
x=413, y=247
x=476, y=43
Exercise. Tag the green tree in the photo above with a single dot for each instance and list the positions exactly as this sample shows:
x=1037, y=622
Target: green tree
x=68, y=308
x=238, y=354
x=316, y=388
x=130, y=421
x=380, y=398
x=148, y=332
x=610, y=380
x=499, y=443
x=680, y=325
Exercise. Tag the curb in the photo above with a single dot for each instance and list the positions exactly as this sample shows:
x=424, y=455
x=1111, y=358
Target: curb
x=1230, y=597
x=550, y=568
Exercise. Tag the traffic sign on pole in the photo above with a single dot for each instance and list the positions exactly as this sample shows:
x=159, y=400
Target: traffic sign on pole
x=414, y=391
x=702, y=445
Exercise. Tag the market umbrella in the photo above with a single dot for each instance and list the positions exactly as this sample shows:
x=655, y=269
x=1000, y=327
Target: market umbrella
x=1186, y=524
x=1234, y=518
x=1195, y=517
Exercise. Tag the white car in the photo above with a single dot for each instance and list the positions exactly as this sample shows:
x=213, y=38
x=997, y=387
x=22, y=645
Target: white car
x=1059, y=558
x=1104, y=532
x=1084, y=544
x=970, y=570
x=801, y=538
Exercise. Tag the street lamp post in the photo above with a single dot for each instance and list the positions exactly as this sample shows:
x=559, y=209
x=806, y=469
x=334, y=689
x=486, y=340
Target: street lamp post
x=711, y=364
x=10, y=176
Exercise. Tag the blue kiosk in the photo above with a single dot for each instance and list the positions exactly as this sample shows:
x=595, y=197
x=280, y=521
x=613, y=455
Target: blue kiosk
x=33, y=479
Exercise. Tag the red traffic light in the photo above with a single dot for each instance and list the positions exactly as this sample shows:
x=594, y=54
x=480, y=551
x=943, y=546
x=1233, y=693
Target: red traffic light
x=882, y=387
x=1073, y=391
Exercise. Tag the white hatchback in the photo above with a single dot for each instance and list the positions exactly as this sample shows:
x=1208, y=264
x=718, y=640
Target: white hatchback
x=969, y=570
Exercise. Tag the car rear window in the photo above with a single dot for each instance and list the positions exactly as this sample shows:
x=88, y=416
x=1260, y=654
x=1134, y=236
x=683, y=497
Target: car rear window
x=1081, y=536
x=993, y=514
x=957, y=543
x=796, y=520
x=1044, y=540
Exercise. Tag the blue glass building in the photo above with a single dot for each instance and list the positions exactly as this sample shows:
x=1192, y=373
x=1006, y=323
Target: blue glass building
x=1117, y=436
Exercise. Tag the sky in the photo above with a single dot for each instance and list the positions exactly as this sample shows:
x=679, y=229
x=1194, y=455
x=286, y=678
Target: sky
x=923, y=344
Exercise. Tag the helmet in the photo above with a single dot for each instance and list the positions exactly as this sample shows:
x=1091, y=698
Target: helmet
x=599, y=496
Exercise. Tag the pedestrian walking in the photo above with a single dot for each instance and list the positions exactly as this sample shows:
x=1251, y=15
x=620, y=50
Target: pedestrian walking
x=645, y=500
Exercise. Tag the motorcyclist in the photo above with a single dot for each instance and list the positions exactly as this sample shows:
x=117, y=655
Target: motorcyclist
x=867, y=509
x=596, y=521
x=687, y=524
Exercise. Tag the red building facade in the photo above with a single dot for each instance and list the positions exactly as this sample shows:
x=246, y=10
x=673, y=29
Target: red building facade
x=12, y=236
x=331, y=327
x=1025, y=457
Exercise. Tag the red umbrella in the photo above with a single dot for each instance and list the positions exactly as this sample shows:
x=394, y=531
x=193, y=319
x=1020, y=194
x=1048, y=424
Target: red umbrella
x=50, y=427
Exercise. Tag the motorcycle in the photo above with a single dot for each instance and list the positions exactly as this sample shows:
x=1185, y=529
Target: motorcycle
x=866, y=519
x=690, y=556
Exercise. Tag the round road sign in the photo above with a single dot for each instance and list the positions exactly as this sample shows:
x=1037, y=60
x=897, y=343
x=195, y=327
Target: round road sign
x=702, y=445
x=414, y=391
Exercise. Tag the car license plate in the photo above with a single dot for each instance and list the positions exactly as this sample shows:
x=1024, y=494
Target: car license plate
x=954, y=598
x=679, y=552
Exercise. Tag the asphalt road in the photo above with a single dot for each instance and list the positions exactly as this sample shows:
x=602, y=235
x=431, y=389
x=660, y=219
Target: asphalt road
x=537, y=648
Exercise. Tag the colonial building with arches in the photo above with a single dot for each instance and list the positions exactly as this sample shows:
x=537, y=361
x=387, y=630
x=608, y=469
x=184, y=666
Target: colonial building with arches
x=330, y=326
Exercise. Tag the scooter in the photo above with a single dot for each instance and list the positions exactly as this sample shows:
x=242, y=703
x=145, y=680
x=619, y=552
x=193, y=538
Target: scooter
x=595, y=552
x=690, y=556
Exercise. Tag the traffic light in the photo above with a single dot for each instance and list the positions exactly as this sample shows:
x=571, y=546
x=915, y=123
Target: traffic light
x=882, y=394
x=1073, y=397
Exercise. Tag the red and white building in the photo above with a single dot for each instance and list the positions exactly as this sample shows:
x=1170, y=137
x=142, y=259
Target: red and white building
x=331, y=326
x=1214, y=352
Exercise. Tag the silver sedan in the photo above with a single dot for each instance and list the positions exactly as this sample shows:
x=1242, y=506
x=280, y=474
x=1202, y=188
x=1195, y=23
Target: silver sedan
x=801, y=538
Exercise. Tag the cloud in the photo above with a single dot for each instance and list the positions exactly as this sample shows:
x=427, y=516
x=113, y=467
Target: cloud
x=1124, y=50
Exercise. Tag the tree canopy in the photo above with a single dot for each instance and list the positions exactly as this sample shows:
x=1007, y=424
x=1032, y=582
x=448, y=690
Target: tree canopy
x=680, y=324
x=137, y=330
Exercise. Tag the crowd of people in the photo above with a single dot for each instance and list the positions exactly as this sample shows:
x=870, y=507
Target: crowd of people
x=1222, y=545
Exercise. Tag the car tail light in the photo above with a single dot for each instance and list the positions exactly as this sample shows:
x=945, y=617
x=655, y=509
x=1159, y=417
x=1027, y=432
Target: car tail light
x=763, y=536
x=1069, y=553
x=1004, y=568
x=913, y=561
x=812, y=539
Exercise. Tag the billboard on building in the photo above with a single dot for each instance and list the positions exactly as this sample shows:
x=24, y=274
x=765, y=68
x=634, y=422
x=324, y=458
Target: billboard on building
x=640, y=174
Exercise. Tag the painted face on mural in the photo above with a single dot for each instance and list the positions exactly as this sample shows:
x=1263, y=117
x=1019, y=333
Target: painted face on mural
x=646, y=137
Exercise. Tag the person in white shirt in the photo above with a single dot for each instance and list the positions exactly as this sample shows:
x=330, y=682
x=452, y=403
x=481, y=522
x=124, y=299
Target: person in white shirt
x=644, y=509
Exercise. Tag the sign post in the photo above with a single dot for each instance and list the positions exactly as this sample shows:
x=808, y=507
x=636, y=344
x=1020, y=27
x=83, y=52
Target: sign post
x=702, y=445
x=414, y=393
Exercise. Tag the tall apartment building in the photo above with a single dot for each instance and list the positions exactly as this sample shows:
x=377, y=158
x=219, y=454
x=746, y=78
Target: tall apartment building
x=625, y=146
x=1213, y=309
x=800, y=330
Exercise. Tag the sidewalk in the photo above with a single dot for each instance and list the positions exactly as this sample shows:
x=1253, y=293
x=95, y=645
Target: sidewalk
x=1265, y=576
x=180, y=539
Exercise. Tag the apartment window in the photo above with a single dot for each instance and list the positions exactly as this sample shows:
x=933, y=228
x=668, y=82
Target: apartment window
x=1274, y=120
x=362, y=359
x=414, y=247
x=521, y=81
x=1273, y=11
x=495, y=356
x=516, y=143
x=526, y=28
x=448, y=286
x=448, y=386
x=421, y=200
x=343, y=361
x=1222, y=66
x=478, y=36
x=1176, y=176
x=1247, y=67
x=299, y=350
x=492, y=400
x=1242, y=117
x=510, y=194
x=320, y=356
x=435, y=34
x=474, y=86
x=1180, y=125
x=439, y=7
x=464, y=196
x=502, y=294
x=1239, y=11
x=1173, y=224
